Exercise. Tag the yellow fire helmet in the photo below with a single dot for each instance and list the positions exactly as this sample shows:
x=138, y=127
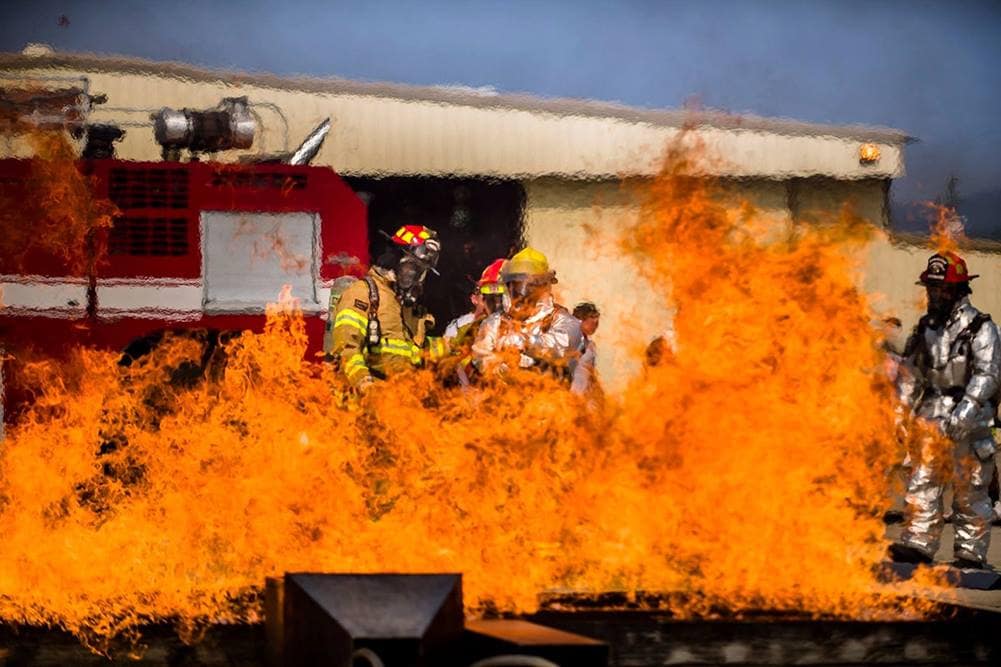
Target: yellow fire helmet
x=529, y=265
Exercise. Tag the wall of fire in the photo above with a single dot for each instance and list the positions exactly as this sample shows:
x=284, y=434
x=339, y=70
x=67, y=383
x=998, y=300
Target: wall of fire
x=560, y=219
x=571, y=166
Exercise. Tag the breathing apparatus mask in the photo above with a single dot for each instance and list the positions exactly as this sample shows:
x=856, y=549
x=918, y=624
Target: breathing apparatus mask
x=523, y=295
x=412, y=268
x=493, y=303
x=490, y=288
x=942, y=299
x=528, y=280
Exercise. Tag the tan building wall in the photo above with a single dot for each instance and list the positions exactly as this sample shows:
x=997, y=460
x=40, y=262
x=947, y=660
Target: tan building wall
x=561, y=217
x=891, y=265
x=819, y=198
x=565, y=220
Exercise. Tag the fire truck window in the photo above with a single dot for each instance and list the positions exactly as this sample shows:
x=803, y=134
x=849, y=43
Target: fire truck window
x=478, y=221
x=250, y=256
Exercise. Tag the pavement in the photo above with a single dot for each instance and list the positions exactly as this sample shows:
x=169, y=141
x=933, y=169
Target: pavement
x=987, y=600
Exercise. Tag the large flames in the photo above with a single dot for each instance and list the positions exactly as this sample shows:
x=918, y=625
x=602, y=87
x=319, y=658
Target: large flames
x=747, y=470
x=59, y=200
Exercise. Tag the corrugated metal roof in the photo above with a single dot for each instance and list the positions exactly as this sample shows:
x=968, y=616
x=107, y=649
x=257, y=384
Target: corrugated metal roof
x=383, y=129
x=461, y=95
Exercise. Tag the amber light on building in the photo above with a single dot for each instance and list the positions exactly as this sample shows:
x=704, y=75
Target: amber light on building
x=868, y=153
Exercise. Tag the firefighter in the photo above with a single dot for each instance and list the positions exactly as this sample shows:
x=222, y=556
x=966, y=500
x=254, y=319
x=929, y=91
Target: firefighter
x=378, y=326
x=584, y=372
x=547, y=336
x=488, y=297
x=949, y=377
x=460, y=333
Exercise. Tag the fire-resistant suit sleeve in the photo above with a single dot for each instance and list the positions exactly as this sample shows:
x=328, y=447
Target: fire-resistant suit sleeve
x=975, y=410
x=350, y=330
x=584, y=370
x=910, y=381
x=458, y=327
x=484, y=348
x=437, y=348
x=557, y=341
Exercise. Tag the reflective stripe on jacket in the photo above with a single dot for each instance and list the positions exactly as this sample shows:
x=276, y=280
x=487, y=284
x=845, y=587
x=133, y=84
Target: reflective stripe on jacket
x=404, y=343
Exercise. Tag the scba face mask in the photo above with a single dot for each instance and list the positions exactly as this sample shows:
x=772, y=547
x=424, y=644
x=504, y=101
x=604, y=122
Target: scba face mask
x=420, y=249
x=494, y=302
x=941, y=300
x=526, y=292
x=410, y=277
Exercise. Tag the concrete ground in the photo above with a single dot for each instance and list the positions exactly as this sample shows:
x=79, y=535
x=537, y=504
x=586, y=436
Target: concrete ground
x=981, y=599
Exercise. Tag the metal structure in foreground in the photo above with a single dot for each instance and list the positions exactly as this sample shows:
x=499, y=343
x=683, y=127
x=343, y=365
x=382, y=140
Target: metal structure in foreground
x=404, y=620
x=962, y=633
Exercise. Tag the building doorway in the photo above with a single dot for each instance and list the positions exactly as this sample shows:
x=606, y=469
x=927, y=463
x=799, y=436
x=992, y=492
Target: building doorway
x=478, y=220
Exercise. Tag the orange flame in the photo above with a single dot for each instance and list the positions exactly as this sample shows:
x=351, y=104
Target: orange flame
x=747, y=469
x=769, y=428
x=947, y=228
x=58, y=214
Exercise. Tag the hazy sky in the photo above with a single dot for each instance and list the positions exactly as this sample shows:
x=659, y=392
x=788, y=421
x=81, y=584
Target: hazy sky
x=932, y=69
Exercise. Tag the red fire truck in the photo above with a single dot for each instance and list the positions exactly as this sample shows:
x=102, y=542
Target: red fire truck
x=194, y=244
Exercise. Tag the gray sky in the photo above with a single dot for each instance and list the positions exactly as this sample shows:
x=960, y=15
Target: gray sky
x=932, y=69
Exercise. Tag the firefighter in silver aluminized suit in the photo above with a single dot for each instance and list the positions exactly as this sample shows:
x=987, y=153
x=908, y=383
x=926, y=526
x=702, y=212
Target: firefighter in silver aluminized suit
x=546, y=334
x=950, y=377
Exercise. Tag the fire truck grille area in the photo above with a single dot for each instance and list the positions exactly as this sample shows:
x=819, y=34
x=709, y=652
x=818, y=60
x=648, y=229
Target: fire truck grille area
x=149, y=188
x=149, y=237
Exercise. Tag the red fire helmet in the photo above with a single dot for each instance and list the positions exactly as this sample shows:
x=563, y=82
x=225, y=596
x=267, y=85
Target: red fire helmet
x=420, y=243
x=412, y=235
x=945, y=268
x=489, y=282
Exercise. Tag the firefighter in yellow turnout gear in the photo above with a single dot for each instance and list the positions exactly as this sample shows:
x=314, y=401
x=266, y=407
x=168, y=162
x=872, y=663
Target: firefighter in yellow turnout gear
x=378, y=327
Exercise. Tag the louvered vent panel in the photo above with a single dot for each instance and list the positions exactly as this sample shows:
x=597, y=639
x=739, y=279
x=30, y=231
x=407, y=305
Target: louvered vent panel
x=149, y=188
x=149, y=237
x=11, y=184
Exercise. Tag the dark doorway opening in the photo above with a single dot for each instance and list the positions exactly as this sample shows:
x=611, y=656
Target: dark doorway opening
x=478, y=220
